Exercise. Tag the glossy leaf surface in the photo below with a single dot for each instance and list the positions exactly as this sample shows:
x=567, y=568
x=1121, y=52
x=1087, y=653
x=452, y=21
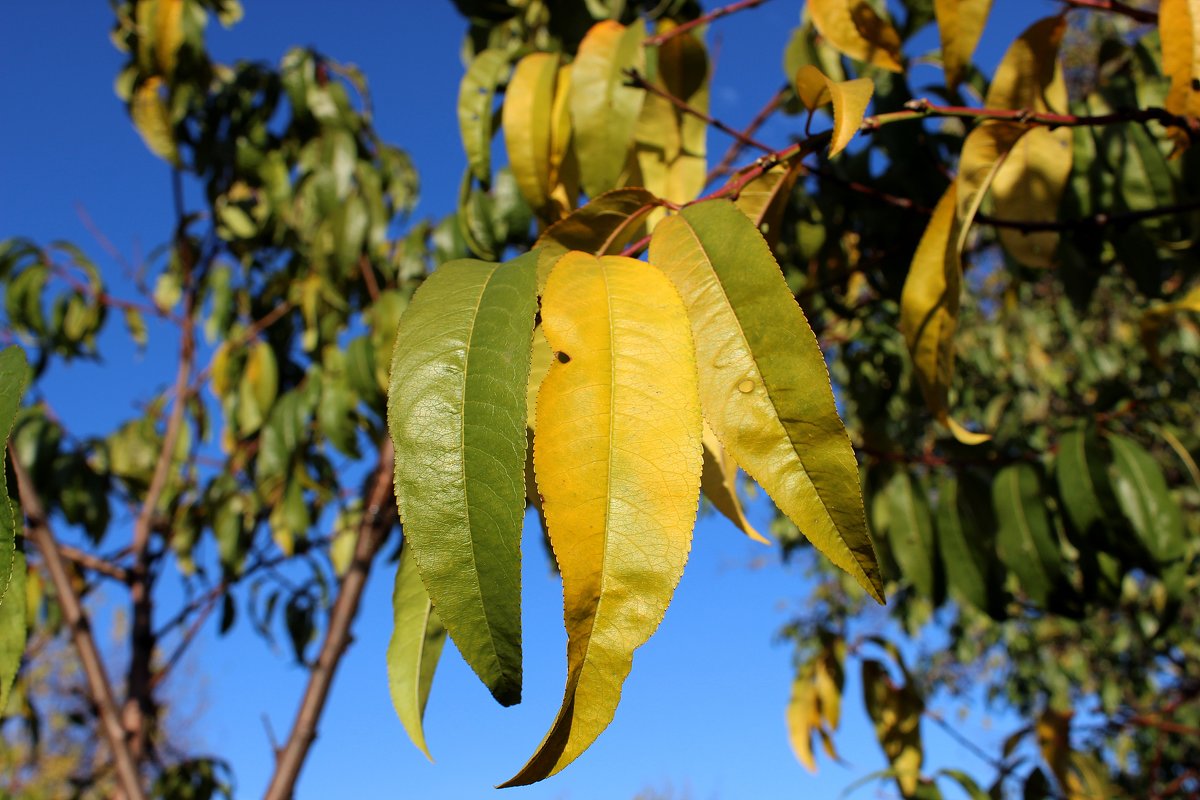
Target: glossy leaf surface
x=456, y=413
x=617, y=456
x=764, y=386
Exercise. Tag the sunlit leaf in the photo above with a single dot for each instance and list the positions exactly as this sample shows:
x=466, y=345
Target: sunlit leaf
x=152, y=119
x=602, y=227
x=617, y=456
x=604, y=110
x=13, y=621
x=719, y=483
x=1029, y=76
x=763, y=381
x=528, y=105
x=929, y=306
x=765, y=198
x=414, y=649
x=1029, y=186
x=801, y=711
x=854, y=28
x=849, y=99
x=1179, y=30
x=14, y=373
x=895, y=712
x=456, y=413
x=1053, y=731
x=476, y=95
x=960, y=23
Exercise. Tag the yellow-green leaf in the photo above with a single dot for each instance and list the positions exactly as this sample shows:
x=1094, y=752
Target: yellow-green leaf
x=602, y=227
x=539, y=364
x=929, y=311
x=960, y=24
x=802, y=718
x=13, y=623
x=617, y=456
x=1053, y=731
x=14, y=374
x=854, y=28
x=258, y=387
x=476, y=94
x=528, y=105
x=1029, y=76
x=457, y=417
x=849, y=99
x=764, y=199
x=1029, y=186
x=414, y=649
x=1179, y=30
x=764, y=386
x=604, y=110
x=150, y=116
x=168, y=33
x=896, y=713
x=1155, y=318
x=719, y=483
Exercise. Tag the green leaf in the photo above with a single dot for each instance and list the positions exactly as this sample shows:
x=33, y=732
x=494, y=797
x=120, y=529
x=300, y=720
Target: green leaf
x=1143, y=496
x=764, y=386
x=1083, y=484
x=1025, y=539
x=14, y=373
x=456, y=413
x=604, y=111
x=414, y=649
x=476, y=95
x=911, y=535
x=12, y=624
x=617, y=457
x=966, y=532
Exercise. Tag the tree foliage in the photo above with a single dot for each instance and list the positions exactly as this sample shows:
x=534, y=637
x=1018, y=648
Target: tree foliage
x=949, y=330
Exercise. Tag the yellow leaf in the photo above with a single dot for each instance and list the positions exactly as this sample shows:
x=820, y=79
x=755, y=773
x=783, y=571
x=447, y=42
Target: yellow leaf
x=168, y=34
x=983, y=154
x=849, y=98
x=929, y=311
x=1179, y=30
x=719, y=482
x=526, y=115
x=800, y=712
x=853, y=27
x=617, y=457
x=895, y=712
x=150, y=116
x=564, y=167
x=1029, y=186
x=1030, y=76
x=828, y=679
x=960, y=23
x=1053, y=731
x=764, y=385
x=418, y=637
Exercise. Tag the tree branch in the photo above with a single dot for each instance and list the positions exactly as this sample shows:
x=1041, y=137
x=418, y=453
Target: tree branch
x=724, y=166
x=704, y=19
x=637, y=79
x=38, y=531
x=93, y=563
x=378, y=519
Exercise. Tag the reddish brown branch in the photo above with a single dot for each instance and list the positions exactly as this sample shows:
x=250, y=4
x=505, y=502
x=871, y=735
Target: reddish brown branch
x=639, y=80
x=744, y=136
x=377, y=520
x=38, y=531
x=1115, y=7
x=93, y=563
x=704, y=19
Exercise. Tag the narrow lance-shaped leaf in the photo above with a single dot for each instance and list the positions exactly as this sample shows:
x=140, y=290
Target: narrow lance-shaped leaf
x=476, y=95
x=14, y=373
x=604, y=110
x=911, y=534
x=896, y=713
x=719, y=483
x=1029, y=186
x=764, y=386
x=13, y=624
x=803, y=717
x=617, y=455
x=854, y=28
x=1141, y=491
x=1179, y=30
x=528, y=105
x=1025, y=539
x=960, y=24
x=414, y=649
x=456, y=413
x=929, y=306
x=849, y=99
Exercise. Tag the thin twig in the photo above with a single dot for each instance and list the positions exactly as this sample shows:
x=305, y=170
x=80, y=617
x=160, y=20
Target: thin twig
x=1116, y=7
x=637, y=79
x=38, y=531
x=703, y=19
x=736, y=147
x=93, y=563
x=378, y=518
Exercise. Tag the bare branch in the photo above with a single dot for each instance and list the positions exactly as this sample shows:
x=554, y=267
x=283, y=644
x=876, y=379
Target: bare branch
x=38, y=531
x=380, y=514
x=704, y=19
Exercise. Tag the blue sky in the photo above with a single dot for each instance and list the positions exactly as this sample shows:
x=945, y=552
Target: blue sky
x=702, y=713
